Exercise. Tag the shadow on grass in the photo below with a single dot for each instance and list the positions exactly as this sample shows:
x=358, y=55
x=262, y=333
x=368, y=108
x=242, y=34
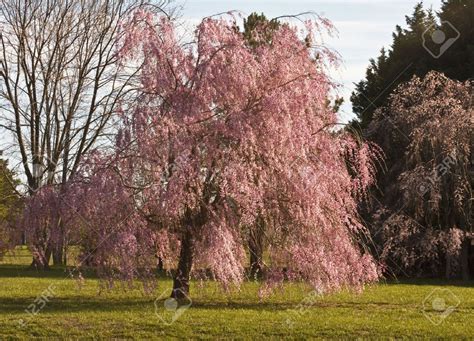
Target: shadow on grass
x=430, y=282
x=106, y=304
x=12, y=271
x=59, y=272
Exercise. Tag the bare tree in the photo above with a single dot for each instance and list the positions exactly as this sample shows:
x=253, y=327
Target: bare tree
x=60, y=82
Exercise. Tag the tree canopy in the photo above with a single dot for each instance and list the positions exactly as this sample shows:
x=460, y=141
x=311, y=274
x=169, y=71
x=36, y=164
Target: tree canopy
x=222, y=134
x=426, y=207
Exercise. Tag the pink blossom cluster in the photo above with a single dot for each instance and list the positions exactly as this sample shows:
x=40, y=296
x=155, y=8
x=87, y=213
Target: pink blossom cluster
x=220, y=134
x=432, y=197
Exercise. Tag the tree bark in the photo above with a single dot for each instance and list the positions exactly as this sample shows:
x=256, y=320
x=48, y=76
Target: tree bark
x=58, y=255
x=59, y=247
x=160, y=266
x=448, y=269
x=42, y=263
x=256, y=248
x=465, y=259
x=255, y=260
x=182, y=276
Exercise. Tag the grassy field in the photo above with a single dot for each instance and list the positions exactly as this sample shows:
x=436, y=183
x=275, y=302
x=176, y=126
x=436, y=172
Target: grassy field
x=388, y=310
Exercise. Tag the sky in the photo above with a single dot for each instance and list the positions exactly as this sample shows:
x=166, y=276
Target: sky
x=364, y=27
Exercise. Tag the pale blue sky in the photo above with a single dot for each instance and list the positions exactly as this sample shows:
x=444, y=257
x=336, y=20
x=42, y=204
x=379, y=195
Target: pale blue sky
x=364, y=26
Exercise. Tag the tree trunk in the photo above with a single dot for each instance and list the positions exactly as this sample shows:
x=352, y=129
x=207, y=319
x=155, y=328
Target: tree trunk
x=160, y=265
x=255, y=261
x=59, y=251
x=448, y=269
x=59, y=244
x=465, y=259
x=58, y=254
x=182, y=276
x=40, y=263
x=256, y=248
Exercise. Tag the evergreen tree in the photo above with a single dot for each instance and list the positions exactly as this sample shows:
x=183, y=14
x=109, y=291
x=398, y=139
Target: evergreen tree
x=259, y=30
x=408, y=56
x=9, y=200
x=458, y=61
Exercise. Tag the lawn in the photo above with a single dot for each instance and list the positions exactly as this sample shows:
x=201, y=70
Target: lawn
x=386, y=310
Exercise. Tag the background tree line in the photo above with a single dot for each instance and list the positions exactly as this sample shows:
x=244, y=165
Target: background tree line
x=10, y=206
x=63, y=90
x=425, y=128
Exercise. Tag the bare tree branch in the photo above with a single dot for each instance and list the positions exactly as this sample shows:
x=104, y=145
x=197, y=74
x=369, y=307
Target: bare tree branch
x=60, y=82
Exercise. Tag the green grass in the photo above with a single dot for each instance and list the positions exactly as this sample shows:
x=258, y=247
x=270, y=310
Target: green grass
x=386, y=310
